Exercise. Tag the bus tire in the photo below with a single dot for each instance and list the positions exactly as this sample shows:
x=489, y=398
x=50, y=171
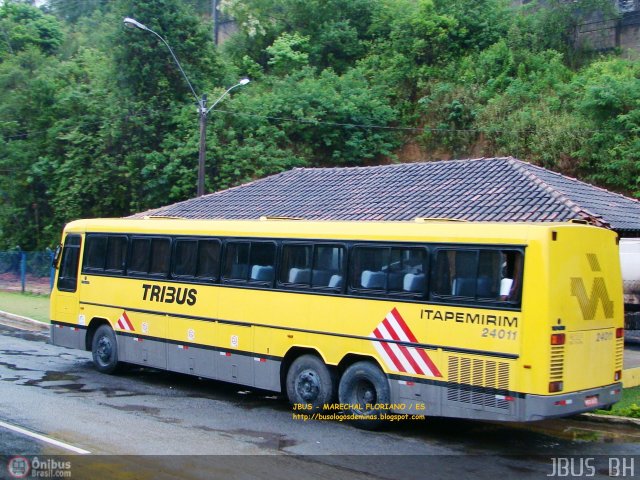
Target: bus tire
x=310, y=382
x=104, y=349
x=365, y=389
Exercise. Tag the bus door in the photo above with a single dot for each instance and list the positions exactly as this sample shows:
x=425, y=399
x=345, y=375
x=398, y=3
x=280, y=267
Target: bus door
x=66, y=294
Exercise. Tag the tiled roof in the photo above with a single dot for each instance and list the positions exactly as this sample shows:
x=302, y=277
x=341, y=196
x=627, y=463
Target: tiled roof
x=485, y=189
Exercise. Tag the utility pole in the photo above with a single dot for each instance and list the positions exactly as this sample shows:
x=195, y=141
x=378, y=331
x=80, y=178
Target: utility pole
x=203, y=111
x=203, y=144
x=216, y=20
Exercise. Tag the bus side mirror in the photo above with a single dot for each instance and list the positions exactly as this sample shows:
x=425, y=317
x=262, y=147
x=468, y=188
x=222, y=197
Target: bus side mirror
x=56, y=256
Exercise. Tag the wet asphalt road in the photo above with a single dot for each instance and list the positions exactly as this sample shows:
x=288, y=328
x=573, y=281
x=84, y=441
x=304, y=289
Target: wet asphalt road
x=152, y=424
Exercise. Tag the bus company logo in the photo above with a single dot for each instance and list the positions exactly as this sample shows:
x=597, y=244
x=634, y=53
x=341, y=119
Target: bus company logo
x=399, y=357
x=599, y=294
x=124, y=323
x=18, y=467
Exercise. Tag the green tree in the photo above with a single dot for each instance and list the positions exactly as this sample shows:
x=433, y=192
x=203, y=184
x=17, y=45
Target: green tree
x=23, y=26
x=607, y=96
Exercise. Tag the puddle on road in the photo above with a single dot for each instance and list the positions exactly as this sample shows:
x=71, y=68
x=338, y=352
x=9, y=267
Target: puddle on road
x=270, y=440
x=52, y=376
x=587, y=431
x=117, y=393
x=136, y=408
x=51, y=381
x=15, y=368
x=24, y=334
x=23, y=353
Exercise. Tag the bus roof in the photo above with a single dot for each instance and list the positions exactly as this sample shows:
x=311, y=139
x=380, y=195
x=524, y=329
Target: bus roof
x=420, y=230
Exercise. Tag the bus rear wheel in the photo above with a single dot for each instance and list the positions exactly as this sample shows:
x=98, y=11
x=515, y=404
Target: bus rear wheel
x=365, y=389
x=310, y=382
x=104, y=349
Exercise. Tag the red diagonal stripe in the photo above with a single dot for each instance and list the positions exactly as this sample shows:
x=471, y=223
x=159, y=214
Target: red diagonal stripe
x=405, y=328
x=126, y=319
x=412, y=337
x=412, y=361
x=403, y=349
x=430, y=364
x=390, y=329
x=387, y=348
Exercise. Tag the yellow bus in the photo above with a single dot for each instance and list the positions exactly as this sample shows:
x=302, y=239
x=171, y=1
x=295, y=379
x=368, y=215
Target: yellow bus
x=496, y=321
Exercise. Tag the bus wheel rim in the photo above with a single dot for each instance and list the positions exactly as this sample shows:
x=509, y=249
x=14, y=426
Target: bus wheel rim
x=104, y=350
x=365, y=393
x=308, y=385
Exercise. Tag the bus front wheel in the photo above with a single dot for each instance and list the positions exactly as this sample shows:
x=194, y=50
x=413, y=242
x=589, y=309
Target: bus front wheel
x=104, y=349
x=310, y=382
x=365, y=389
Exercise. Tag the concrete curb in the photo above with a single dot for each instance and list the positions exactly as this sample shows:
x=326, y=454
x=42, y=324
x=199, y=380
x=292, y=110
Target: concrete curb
x=24, y=323
x=597, y=417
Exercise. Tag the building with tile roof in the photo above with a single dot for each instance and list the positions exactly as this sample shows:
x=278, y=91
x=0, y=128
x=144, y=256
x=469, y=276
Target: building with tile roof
x=484, y=189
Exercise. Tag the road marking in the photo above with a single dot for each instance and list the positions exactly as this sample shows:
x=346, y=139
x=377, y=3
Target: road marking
x=43, y=438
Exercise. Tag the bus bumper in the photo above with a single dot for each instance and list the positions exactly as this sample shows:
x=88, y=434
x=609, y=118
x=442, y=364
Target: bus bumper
x=66, y=335
x=539, y=407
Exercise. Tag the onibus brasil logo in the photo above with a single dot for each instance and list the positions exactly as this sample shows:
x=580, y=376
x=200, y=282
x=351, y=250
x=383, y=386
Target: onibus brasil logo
x=21, y=467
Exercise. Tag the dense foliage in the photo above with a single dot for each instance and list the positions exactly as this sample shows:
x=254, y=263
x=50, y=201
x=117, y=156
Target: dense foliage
x=96, y=120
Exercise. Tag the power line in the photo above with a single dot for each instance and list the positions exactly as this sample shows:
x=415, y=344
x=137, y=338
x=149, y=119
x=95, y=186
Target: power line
x=33, y=133
x=387, y=127
x=312, y=122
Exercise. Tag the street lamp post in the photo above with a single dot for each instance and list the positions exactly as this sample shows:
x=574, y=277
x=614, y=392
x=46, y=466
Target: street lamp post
x=203, y=111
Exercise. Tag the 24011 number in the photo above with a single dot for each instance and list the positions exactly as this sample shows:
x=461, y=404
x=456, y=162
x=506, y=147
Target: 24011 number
x=499, y=333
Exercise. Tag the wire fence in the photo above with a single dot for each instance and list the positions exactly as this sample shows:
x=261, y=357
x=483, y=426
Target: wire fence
x=26, y=271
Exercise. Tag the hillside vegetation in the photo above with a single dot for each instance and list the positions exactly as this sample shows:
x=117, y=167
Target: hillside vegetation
x=96, y=120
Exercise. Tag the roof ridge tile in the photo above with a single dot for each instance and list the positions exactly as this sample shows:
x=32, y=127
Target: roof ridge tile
x=558, y=195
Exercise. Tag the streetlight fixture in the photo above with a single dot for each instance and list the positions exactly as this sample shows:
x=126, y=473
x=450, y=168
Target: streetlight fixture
x=203, y=111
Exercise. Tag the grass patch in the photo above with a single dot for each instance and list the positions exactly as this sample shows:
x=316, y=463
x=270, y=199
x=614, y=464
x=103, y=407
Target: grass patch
x=26, y=305
x=629, y=406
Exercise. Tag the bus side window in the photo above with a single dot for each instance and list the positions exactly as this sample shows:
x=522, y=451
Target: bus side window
x=208, y=264
x=160, y=257
x=367, y=265
x=262, y=260
x=295, y=267
x=139, y=260
x=95, y=251
x=392, y=270
x=186, y=256
x=150, y=256
x=236, y=266
x=328, y=264
x=196, y=259
x=68, y=276
x=511, y=276
x=482, y=275
x=116, y=254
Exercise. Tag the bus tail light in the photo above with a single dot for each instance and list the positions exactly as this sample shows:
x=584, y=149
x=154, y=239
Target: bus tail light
x=555, y=387
x=617, y=375
x=619, y=332
x=557, y=339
